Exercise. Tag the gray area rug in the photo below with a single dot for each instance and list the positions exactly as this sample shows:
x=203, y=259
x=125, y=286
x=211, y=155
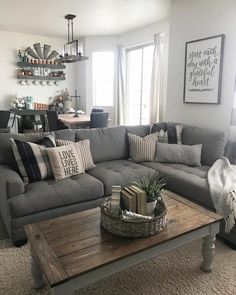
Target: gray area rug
x=175, y=273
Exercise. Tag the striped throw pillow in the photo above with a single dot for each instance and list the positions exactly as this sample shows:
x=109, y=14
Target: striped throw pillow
x=171, y=135
x=142, y=149
x=84, y=147
x=65, y=161
x=32, y=158
x=47, y=141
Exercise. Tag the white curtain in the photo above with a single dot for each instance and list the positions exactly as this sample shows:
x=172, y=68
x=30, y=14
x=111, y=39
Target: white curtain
x=231, y=145
x=121, y=87
x=156, y=93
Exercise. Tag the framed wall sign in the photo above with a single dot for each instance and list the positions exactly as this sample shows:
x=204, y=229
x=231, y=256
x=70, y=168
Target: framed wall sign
x=203, y=70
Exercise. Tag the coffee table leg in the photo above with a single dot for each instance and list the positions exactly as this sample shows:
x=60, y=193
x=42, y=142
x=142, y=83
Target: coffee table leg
x=37, y=275
x=208, y=252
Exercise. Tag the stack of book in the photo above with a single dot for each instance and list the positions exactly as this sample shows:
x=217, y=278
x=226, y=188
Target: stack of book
x=134, y=199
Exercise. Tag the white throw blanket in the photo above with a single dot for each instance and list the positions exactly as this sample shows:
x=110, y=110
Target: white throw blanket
x=222, y=182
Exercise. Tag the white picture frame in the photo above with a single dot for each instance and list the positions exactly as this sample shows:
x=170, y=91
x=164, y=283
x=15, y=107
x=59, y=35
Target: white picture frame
x=203, y=70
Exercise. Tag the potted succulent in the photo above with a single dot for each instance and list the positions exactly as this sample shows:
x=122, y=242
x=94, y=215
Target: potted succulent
x=153, y=185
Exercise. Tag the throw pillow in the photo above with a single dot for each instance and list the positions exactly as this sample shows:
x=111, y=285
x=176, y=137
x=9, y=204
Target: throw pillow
x=84, y=146
x=170, y=135
x=65, y=161
x=142, y=149
x=32, y=158
x=47, y=141
x=182, y=154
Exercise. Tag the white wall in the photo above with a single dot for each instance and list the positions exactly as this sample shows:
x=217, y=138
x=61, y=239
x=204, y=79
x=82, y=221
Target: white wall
x=144, y=34
x=77, y=81
x=83, y=72
x=80, y=83
x=190, y=20
x=9, y=86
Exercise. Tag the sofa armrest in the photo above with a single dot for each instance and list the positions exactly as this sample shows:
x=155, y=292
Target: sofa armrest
x=10, y=182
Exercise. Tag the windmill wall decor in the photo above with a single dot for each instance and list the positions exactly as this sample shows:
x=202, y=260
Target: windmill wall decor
x=40, y=55
x=39, y=63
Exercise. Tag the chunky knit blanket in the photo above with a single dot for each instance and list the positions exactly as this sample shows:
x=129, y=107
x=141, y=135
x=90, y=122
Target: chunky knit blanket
x=222, y=182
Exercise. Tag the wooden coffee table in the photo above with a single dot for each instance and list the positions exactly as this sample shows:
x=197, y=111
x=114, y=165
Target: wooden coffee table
x=72, y=251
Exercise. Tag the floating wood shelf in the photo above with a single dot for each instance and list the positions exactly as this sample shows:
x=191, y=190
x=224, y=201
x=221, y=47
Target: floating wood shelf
x=30, y=65
x=25, y=77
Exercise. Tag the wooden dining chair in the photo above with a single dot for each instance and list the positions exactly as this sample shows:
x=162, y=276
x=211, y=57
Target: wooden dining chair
x=54, y=123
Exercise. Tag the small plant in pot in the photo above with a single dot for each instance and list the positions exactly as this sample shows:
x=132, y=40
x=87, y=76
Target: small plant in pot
x=153, y=185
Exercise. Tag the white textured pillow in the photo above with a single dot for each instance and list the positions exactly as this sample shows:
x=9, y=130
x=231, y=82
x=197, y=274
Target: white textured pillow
x=142, y=149
x=176, y=153
x=84, y=146
x=65, y=161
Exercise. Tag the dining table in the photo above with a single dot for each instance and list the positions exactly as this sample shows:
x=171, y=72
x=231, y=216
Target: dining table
x=75, y=122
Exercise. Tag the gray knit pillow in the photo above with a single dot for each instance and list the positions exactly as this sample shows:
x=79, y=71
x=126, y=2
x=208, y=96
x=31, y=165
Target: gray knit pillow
x=176, y=153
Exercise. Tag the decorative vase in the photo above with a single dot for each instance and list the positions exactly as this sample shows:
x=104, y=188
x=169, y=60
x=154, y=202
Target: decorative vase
x=150, y=207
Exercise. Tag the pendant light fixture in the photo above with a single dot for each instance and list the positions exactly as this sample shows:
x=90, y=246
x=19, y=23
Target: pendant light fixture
x=73, y=49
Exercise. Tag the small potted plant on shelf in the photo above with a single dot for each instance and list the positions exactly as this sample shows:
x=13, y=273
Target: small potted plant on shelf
x=153, y=185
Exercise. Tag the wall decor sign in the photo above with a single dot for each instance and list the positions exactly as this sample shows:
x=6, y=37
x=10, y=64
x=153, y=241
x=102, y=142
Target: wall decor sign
x=203, y=70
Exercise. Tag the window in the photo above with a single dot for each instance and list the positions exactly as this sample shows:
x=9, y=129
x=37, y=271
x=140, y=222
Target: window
x=103, y=78
x=139, y=72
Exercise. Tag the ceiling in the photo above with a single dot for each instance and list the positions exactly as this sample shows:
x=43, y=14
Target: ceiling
x=94, y=17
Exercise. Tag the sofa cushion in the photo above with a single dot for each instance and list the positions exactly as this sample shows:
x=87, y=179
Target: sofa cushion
x=140, y=130
x=119, y=172
x=178, y=153
x=106, y=143
x=50, y=194
x=186, y=181
x=65, y=134
x=213, y=141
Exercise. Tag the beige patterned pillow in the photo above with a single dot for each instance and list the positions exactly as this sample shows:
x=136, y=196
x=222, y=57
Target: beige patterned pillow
x=142, y=149
x=84, y=146
x=65, y=161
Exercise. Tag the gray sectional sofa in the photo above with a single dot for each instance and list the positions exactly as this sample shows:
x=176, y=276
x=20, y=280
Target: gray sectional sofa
x=20, y=204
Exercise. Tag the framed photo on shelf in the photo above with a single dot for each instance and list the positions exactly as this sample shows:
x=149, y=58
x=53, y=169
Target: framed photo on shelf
x=203, y=70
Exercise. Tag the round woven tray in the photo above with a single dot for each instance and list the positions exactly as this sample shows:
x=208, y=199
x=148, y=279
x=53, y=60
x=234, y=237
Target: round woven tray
x=115, y=224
